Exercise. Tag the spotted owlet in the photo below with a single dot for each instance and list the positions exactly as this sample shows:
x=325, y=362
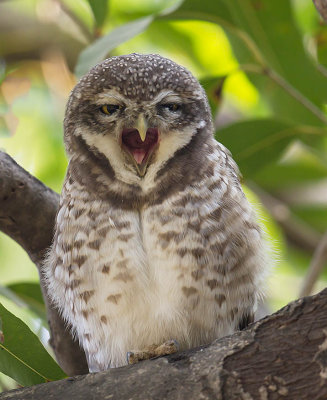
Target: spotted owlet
x=155, y=241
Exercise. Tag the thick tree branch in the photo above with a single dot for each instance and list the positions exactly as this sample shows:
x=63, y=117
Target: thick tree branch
x=27, y=208
x=27, y=214
x=281, y=356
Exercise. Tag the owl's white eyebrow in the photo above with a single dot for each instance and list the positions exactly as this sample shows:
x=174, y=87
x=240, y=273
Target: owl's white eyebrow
x=172, y=99
x=170, y=96
x=109, y=98
x=112, y=97
x=167, y=95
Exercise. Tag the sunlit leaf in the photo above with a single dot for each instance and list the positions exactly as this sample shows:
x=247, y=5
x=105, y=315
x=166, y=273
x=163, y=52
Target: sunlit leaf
x=315, y=216
x=164, y=33
x=31, y=294
x=214, y=88
x=263, y=34
x=38, y=113
x=27, y=295
x=22, y=356
x=99, y=10
x=99, y=49
x=287, y=175
x=10, y=295
x=257, y=143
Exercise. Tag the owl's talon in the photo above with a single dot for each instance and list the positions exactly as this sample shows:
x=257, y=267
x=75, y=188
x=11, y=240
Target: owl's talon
x=164, y=349
x=130, y=357
x=169, y=347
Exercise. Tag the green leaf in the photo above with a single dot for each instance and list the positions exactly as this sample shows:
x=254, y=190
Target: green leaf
x=264, y=37
x=99, y=10
x=163, y=33
x=213, y=87
x=2, y=338
x=27, y=295
x=315, y=215
x=22, y=356
x=291, y=173
x=257, y=143
x=30, y=293
x=4, y=131
x=5, y=292
x=99, y=49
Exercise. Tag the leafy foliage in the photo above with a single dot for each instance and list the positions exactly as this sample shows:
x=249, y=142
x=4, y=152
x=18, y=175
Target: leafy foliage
x=262, y=34
x=102, y=46
x=258, y=143
x=262, y=64
x=22, y=355
x=99, y=10
x=30, y=294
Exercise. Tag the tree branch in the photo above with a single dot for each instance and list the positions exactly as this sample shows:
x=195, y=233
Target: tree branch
x=280, y=356
x=286, y=86
x=27, y=214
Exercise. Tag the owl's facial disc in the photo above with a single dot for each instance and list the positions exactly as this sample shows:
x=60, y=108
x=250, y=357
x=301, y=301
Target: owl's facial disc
x=140, y=146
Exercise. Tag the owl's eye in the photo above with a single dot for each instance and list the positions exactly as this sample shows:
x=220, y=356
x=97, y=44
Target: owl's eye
x=110, y=109
x=173, y=107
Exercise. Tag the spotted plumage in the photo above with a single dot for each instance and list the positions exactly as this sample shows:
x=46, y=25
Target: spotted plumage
x=154, y=239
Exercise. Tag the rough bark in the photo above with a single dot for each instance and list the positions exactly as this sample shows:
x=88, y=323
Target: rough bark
x=27, y=214
x=283, y=356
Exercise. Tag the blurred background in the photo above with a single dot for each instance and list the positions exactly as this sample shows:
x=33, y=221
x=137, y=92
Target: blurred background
x=263, y=64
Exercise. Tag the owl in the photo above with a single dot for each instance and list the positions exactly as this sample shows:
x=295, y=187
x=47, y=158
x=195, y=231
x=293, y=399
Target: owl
x=156, y=247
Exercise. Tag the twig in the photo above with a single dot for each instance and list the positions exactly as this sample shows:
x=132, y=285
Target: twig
x=318, y=262
x=292, y=91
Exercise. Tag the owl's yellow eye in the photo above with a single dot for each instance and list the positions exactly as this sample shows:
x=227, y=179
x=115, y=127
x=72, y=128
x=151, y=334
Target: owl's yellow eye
x=110, y=109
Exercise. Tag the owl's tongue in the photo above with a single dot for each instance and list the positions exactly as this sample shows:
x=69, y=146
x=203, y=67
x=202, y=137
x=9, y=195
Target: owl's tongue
x=138, y=155
x=133, y=143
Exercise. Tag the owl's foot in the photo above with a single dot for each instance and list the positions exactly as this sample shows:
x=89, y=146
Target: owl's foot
x=169, y=347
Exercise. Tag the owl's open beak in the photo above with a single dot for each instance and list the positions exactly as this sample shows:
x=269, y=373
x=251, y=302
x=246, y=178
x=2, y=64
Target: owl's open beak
x=142, y=127
x=140, y=144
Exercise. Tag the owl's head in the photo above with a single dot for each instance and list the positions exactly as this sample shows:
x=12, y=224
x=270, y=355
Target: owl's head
x=137, y=111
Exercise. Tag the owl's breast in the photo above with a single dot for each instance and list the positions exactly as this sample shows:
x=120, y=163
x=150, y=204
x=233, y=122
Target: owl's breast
x=184, y=268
